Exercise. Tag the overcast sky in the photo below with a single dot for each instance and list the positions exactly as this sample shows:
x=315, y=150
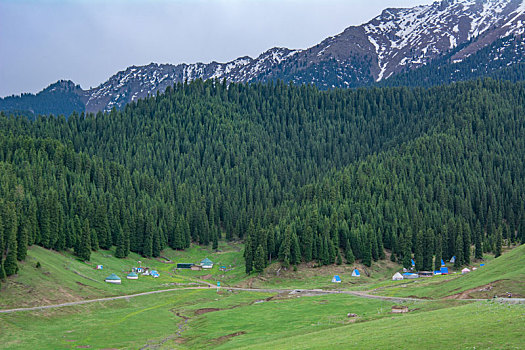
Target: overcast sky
x=87, y=41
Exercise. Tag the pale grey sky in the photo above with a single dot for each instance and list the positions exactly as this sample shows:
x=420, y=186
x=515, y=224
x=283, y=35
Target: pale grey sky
x=89, y=40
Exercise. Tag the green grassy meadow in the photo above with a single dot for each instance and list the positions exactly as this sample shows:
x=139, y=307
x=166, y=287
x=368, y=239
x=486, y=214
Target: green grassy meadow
x=226, y=319
x=481, y=325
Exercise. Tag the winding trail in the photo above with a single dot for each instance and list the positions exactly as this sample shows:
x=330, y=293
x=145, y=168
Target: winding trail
x=263, y=290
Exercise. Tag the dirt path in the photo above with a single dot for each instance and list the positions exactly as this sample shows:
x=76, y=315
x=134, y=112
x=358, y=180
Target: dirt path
x=309, y=292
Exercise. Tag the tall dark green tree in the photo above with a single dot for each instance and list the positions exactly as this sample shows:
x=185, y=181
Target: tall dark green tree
x=83, y=248
x=259, y=259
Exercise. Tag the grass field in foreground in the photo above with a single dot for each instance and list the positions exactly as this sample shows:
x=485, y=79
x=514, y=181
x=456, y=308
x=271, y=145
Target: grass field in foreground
x=481, y=325
x=122, y=324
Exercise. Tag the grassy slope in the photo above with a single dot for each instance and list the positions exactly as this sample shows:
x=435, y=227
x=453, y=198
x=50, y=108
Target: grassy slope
x=481, y=325
x=508, y=270
x=321, y=277
x=63, y=278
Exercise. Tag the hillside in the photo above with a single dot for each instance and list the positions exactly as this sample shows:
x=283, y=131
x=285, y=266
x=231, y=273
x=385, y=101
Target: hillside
x=500, y=276
x=423, y=173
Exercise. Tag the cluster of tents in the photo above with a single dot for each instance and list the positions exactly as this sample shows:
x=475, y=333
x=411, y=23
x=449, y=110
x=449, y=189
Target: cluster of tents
x=114, y=279
x=442, y=271
x=337, y=279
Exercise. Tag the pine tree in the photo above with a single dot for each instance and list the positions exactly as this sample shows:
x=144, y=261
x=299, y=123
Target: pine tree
x=380, y=246
x=479, y=249
x=439, y=252
x=147, y=247
x=418, y=253
x=349, y=255
x=23, y=234
x=338, y=260
x=259, y=259
x=428, y=249
x=466, y=244
x=367, y=254
x=83, y=249
x=2, y=246
x=295, y=250
x=459, y=251
x=498, y=243
x=215, y=244
x=120, y=252
x=10, y=226
x=248, y=254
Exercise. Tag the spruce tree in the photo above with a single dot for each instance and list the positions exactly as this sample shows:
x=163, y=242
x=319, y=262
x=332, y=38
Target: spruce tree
x=23, y=235
x=349, y=255
x=439, y=252
x=498, y=243
x=83, y=249
x=478, y=245
x=418, y=253
x=120, y=252
x=428, y=249
x=248, y=255
x=259, y=259
x=459, y=251
x=338, y=259
x=466, y=244
x=10, y=225
x=215, y=244
x=367, y=254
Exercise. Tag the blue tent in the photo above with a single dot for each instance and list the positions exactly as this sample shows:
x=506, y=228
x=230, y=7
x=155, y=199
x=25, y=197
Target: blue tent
x=336, y=279
x=444, y=270
x=442, y=262
x=412, y=262
x=437, y=272
x=453, y=259
x=356, y=273
x=481, y=265
x=409, y=275
x=154, y=273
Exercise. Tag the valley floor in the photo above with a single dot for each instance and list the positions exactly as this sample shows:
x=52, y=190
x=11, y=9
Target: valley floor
x=182, y=310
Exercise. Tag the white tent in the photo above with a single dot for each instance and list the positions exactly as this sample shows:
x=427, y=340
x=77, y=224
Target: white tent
x=397, y=277
x=465, y=270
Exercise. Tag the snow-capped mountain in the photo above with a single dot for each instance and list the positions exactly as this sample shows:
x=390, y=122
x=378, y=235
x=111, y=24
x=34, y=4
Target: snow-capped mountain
x=398, y=40
x=138, y=82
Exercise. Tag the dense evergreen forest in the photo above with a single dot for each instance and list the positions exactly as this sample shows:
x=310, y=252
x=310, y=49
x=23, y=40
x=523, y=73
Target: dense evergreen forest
x=299, y=174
